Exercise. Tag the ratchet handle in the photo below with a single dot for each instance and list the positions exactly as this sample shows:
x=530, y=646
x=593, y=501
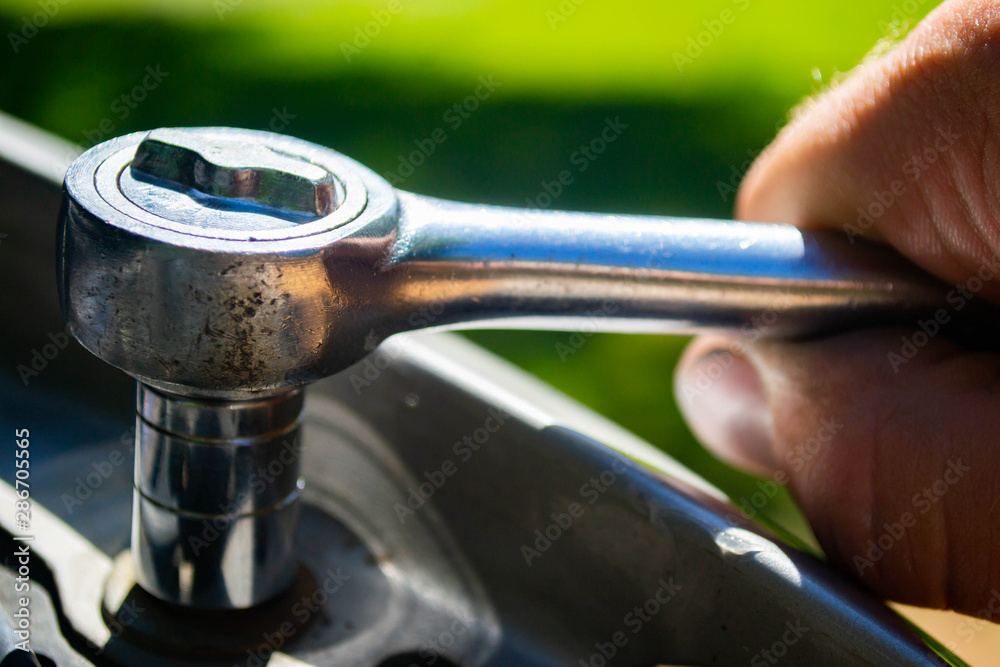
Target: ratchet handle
x=473, y=266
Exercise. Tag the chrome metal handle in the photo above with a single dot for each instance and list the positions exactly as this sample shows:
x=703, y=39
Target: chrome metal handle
x=463, y=266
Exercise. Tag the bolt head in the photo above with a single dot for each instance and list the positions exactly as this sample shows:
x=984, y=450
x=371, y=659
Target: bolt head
x=232, y=171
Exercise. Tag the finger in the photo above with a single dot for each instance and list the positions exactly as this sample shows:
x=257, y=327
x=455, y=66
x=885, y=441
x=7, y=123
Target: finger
x=895, y=465
x=906, y=150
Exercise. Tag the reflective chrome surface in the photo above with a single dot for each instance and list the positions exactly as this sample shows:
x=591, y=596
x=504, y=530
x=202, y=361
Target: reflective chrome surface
x=232, y=171
x=217, y=485
x=221, y=296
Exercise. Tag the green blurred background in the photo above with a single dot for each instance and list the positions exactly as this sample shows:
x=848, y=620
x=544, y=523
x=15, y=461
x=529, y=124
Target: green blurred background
x=564, y=66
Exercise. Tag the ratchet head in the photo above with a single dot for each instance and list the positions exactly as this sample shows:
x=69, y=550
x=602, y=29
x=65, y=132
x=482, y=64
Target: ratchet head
x=219, y=262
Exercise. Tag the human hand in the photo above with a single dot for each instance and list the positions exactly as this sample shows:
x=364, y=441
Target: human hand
x=901, y=476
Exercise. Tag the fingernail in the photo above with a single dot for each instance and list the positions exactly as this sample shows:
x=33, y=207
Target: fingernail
x=721, y=396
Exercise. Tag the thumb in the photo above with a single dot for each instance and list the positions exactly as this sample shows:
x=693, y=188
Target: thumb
x=895, y=466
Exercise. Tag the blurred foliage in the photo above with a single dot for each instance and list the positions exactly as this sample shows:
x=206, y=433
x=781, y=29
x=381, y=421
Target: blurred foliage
x=564, y=67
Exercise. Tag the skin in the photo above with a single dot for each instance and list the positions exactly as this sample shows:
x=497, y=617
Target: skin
x=901, y=429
